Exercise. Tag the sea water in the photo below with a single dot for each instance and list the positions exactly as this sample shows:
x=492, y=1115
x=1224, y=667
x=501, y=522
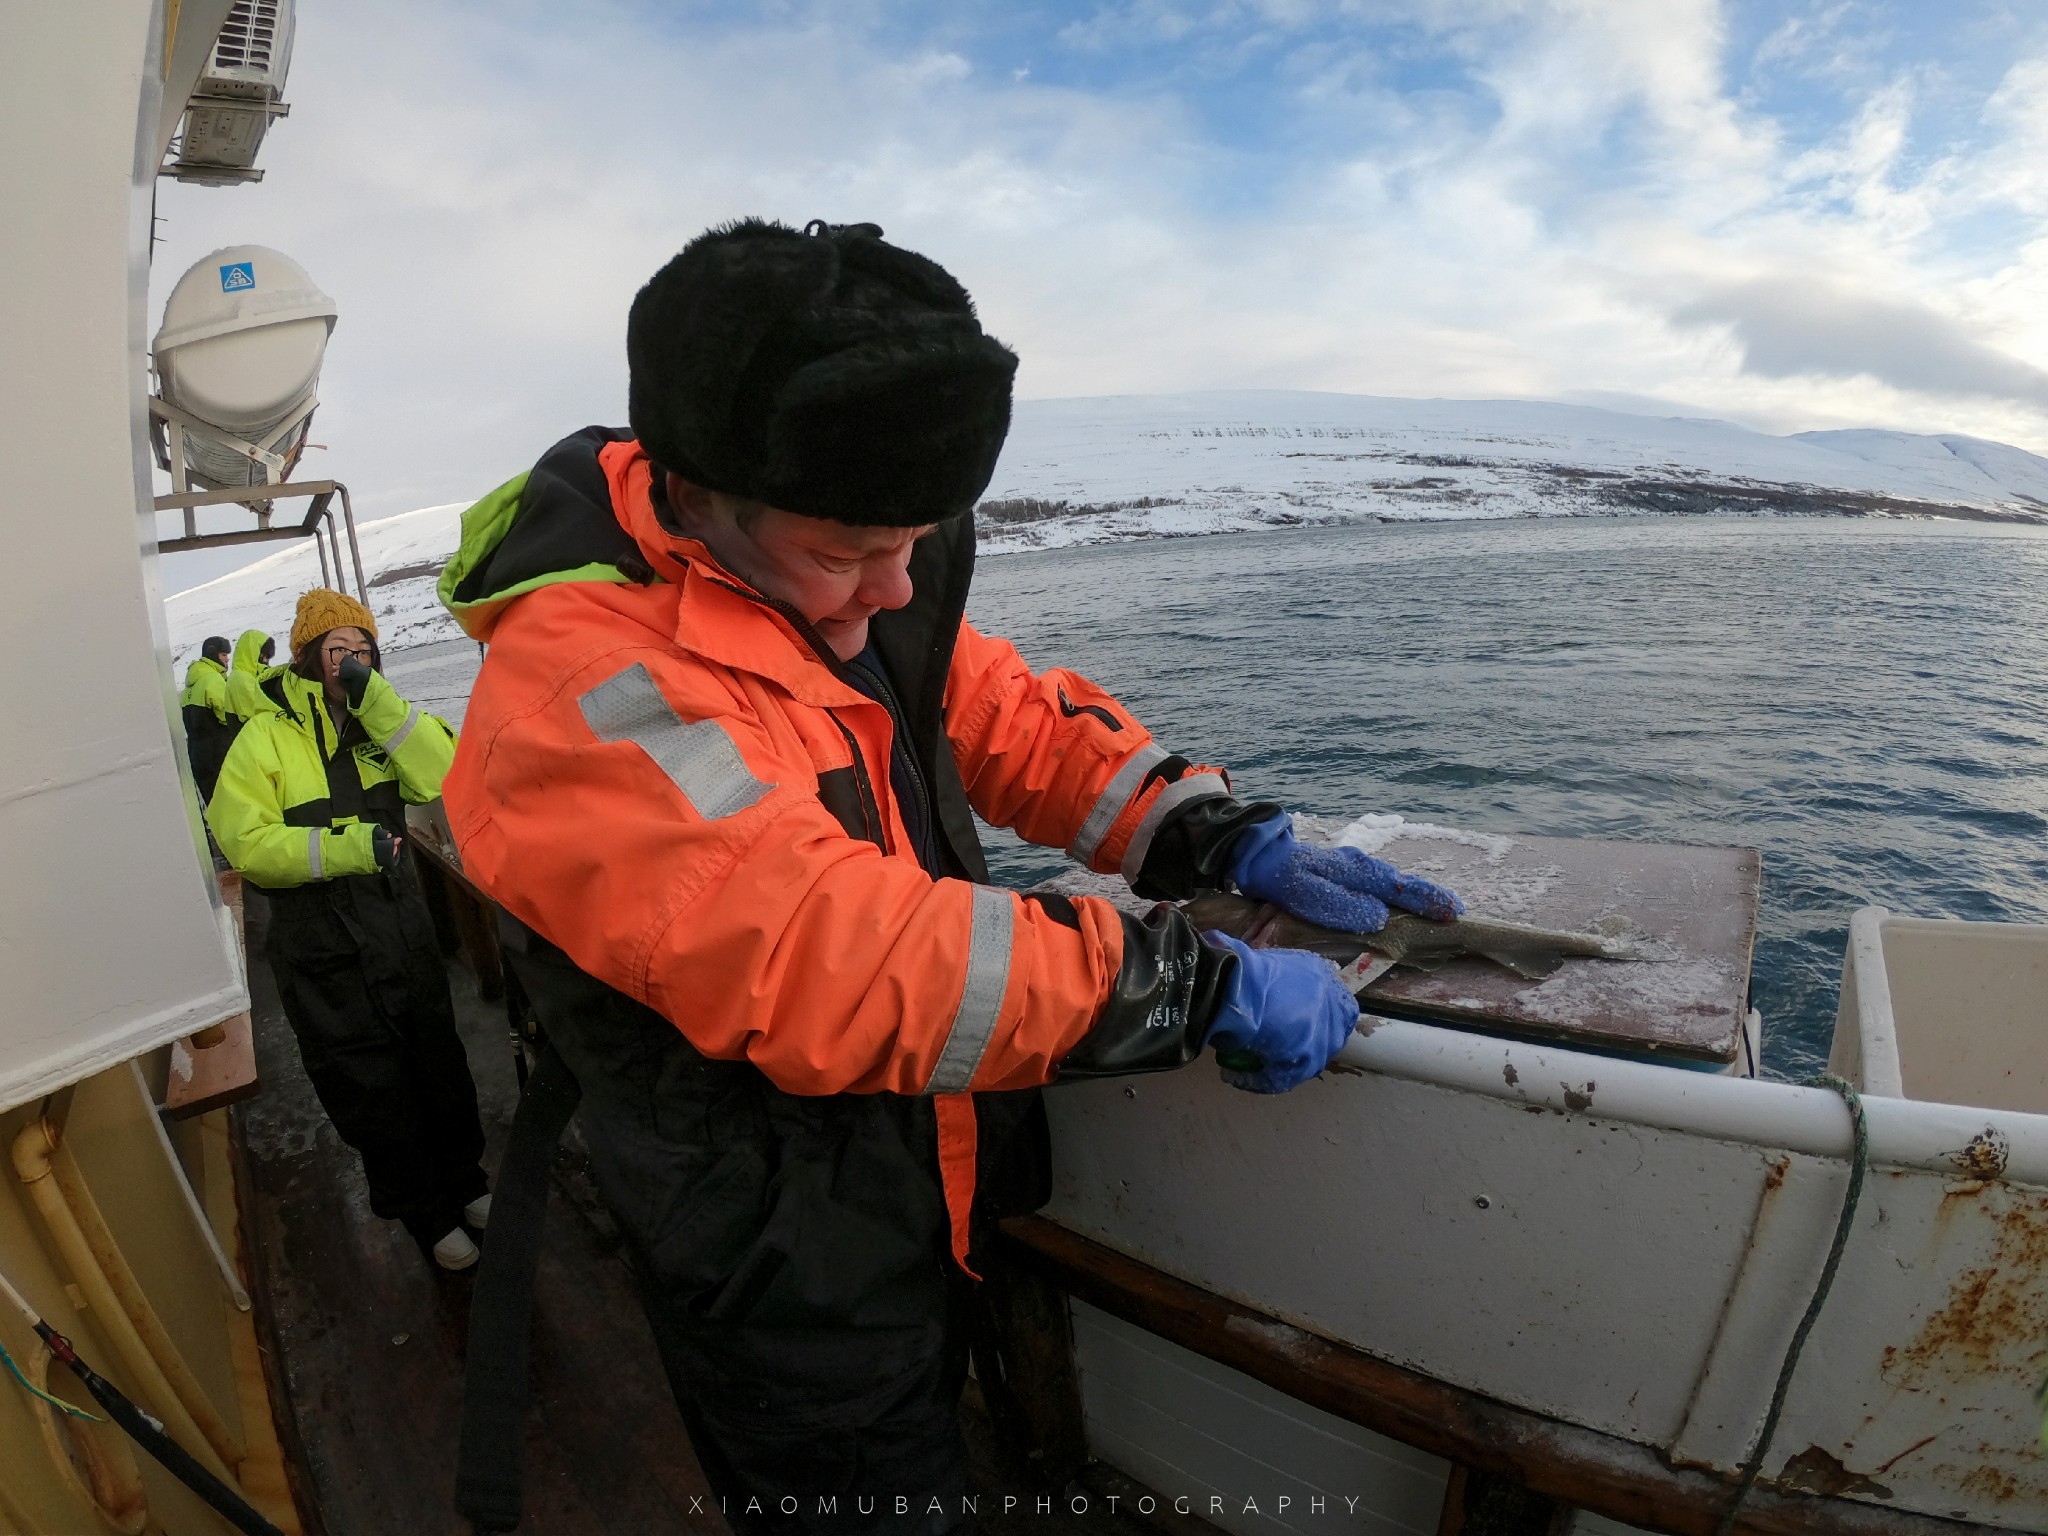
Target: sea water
x=1866, y=703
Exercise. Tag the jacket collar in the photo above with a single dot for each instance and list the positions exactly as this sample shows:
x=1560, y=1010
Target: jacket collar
x=719, y=616
x=297, y=696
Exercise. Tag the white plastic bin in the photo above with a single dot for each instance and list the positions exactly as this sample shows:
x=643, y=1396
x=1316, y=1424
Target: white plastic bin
x=1946, y=1011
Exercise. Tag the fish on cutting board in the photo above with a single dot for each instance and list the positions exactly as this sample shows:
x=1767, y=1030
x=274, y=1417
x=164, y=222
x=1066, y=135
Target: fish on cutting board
x=1417, y=942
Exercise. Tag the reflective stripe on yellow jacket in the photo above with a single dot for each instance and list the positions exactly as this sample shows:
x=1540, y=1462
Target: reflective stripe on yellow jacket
x=273, y=812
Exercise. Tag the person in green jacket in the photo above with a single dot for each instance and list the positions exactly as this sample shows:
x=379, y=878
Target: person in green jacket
x=310, y=808
x=210, y=725
x=245, y=678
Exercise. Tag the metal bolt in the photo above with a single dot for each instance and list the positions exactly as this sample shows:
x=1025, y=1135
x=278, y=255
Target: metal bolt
x=1482, y=1202
x=1130, y=1093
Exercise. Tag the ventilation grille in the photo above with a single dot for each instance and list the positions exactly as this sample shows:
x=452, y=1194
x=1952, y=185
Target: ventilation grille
x=248, y=36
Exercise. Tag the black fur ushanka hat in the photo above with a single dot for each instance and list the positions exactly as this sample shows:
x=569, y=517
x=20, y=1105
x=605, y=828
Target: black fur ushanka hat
x=825, y=372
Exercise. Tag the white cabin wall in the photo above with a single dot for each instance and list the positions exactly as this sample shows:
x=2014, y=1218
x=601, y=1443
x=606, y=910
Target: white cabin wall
x=112, y=936
x=1585, y=1523
x=1242, y=1456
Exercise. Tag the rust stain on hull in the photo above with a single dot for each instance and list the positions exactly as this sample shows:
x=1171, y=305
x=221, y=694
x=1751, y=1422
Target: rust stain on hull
x=1993, y=1324
x=1996, y=1315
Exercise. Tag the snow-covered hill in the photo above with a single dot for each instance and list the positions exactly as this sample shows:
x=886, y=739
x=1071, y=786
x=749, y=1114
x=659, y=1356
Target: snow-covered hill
x=402, y=558
x=1151, y=466
x=1136, y=466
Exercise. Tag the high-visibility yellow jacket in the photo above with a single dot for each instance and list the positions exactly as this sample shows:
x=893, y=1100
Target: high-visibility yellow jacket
x=206, y=687
x=246, y=676
x=301, y=795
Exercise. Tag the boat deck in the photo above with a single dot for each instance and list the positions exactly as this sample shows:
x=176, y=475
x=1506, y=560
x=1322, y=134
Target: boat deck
x=368, y=1338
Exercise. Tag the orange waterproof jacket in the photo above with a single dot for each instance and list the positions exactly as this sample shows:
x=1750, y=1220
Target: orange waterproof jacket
x=665, y=775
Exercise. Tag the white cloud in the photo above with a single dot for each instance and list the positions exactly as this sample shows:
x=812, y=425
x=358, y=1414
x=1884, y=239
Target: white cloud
x=484, y=202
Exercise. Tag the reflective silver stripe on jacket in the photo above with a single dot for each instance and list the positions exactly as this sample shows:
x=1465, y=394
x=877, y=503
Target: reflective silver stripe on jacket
x=398, y=736
x=1110, y=803
x=699, y=756
x=1195, y=786
x=316, y=869
x=981, y=1000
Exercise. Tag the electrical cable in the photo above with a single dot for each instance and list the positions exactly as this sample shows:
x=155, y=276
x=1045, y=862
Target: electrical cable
x=144, y=1430
x=1859, y=1162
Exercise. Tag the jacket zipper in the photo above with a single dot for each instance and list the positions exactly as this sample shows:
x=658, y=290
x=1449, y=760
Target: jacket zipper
x=893, y=707
x=870, y=809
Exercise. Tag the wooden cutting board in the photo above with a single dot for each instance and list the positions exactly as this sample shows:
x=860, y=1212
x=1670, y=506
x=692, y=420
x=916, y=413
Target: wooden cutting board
x=1695, y=909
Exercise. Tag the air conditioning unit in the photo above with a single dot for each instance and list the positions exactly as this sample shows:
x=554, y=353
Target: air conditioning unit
x=240, y=90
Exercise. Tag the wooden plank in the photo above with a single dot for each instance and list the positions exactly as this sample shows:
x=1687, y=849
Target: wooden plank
x=1564, y=1462
x=212, y=1076
x=1693, y=910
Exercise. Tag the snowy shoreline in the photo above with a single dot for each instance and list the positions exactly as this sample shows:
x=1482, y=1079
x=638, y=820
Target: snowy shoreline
x=1117, y=469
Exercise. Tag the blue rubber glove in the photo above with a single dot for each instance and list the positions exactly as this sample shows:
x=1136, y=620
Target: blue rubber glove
x=1284, y=1017
x=1340, y=888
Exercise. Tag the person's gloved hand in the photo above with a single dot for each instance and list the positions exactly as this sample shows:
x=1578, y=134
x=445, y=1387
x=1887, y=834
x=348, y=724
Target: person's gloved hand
x=354, y=674
x=1283, y=1018
x=1340, y=888
x=384, y=847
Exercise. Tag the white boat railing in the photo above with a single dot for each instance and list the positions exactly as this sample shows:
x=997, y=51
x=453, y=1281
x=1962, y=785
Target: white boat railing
x=1953, y=1139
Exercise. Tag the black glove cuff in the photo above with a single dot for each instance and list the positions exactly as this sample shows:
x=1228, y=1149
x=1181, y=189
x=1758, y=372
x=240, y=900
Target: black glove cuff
x=1191, y=850
x=1167, y=992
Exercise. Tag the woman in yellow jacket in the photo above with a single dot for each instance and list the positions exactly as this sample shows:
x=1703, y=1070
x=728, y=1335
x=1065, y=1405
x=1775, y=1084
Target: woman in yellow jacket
x=310, y=808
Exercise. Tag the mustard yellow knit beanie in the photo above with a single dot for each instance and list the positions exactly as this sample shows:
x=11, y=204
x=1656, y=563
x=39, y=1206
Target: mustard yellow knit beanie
x=321, y=610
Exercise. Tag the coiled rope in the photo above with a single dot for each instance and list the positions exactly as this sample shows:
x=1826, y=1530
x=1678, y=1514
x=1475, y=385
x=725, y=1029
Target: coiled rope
x=1859, y=1162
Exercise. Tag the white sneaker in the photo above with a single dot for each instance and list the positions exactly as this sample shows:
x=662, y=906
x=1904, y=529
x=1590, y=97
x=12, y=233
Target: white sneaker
x=478, y=1212
x=455, y=1251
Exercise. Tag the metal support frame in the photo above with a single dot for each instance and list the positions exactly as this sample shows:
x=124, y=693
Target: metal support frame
x=168, y=425
x=319, y=520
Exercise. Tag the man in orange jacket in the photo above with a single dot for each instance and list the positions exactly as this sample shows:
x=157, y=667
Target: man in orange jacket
x=720, y=768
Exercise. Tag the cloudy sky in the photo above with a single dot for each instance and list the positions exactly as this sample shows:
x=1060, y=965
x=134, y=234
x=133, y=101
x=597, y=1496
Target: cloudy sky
x=1812, y=213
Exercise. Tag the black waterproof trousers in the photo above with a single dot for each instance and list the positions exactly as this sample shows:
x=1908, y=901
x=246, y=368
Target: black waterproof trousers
x=794, y=1260
x=365, y=992
x=207, y=740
